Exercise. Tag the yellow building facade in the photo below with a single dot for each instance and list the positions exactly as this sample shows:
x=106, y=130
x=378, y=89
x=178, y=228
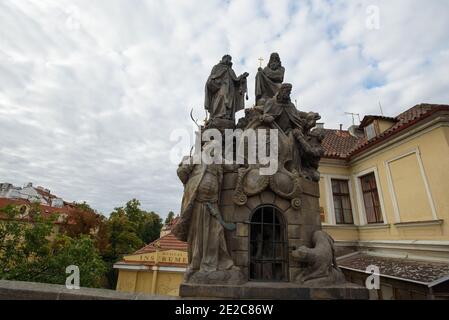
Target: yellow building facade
x=384, y=185
x=156, y=269
x=411, y=175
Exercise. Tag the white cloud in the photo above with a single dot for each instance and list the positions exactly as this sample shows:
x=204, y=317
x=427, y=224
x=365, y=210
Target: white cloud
x=90, y=91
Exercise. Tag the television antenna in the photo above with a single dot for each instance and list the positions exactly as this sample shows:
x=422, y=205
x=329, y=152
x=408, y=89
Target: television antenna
x=381, y=111
x=353, y=116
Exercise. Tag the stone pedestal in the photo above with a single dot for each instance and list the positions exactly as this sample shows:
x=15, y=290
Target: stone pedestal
x=274, y=291
x=300, y=223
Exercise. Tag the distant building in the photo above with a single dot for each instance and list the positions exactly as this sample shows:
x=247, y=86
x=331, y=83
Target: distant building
x=157, y=268
x=29, y=193
x=25, y=197
x=384, y=198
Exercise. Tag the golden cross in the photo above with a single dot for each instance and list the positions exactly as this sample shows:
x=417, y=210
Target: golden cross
x=260, y=61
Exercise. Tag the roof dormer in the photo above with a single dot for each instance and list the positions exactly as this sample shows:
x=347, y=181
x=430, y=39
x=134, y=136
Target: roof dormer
x=374, y=126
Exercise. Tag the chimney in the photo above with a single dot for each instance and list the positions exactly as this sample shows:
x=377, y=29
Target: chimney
x=341, y=127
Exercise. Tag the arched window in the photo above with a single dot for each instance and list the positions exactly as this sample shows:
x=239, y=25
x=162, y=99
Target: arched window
x=268, y=245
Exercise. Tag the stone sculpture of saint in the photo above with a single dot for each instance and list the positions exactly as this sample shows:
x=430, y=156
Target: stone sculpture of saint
x=296, y=125
x=225, y=92
x=283, y=115
x=269, y=79
x=199, y=223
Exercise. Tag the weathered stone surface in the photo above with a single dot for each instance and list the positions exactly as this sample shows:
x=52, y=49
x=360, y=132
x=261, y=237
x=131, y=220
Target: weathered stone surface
x=275, y=291
x=229, y=181
x=267, y=197
x=294, y=264
x=294, y=270
x=218, y=277
x=227, y=212
x=242, y=230
x=348, y=292
x=295, y=243
x=240, y=243
x=253, y=202
x=229, y=235
x=282, y=204
x=242, y=214
x=226, y=198
x=240, y=258
x=311, y=218
x=307, y=231
x=293, y=216
x=309, y=202
x=310, y=187
x=294, y=231
x=21, y=290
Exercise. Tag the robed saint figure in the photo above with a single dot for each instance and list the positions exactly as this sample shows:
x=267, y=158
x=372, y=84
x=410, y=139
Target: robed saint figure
x=225, y=92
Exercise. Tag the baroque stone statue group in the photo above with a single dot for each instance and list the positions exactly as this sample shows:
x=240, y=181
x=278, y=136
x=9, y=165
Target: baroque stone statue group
x=240, y=225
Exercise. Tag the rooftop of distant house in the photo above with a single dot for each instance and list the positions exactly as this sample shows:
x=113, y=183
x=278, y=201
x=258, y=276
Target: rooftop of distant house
x=166, y=242
x=28, y=195
x=345, y=144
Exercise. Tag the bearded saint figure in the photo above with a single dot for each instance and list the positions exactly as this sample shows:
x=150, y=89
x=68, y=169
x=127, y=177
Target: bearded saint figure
x=269, y=79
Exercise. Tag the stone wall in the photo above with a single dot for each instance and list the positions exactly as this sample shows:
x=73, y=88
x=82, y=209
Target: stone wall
x=20, y=290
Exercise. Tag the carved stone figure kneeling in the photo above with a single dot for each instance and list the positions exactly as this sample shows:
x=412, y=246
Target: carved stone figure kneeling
x=321, y=266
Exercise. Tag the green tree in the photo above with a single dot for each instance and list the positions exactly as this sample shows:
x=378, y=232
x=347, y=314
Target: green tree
x=83, y=220
x=129, y=228
x=80, y=252
x=123, y=234
x=31, y=250
x=148, y=224
x=170, y=217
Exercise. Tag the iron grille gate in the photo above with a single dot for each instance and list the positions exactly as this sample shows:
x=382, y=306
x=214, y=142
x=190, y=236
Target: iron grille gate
x=268, y=245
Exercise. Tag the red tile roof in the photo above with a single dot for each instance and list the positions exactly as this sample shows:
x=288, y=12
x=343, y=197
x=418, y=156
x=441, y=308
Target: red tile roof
x=338, y=144
x=342, y=145
x=404, y=121
x=46, y=210
x=167, y=242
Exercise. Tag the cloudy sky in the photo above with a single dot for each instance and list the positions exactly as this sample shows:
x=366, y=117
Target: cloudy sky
x=92, y=90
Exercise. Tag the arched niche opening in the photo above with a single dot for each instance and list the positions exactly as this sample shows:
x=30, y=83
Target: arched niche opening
x=268, y=245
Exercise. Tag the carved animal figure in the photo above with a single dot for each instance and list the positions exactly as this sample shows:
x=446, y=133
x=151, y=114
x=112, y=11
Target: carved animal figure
x=320, y=258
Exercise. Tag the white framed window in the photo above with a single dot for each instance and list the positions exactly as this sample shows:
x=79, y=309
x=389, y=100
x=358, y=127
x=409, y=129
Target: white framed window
x=370, y=197
x=342, y=201
x=339, y=200
x=371, y=202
